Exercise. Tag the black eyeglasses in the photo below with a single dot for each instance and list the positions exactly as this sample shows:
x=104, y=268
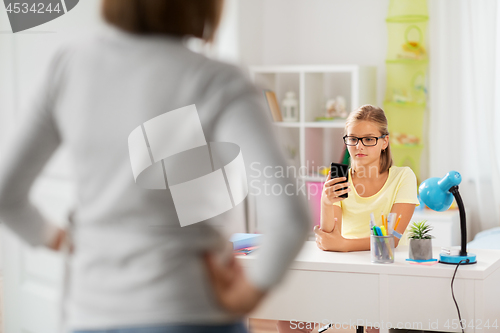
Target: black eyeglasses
x=368, y=141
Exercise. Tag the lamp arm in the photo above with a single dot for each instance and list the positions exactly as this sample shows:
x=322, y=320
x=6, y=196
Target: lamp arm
x=463, y=225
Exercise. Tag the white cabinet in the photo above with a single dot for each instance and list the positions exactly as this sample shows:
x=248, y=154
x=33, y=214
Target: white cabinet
x=446, y=225
x=311, y=144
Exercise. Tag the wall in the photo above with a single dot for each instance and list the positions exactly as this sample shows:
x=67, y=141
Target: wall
x=278, y=32
x=292, y=32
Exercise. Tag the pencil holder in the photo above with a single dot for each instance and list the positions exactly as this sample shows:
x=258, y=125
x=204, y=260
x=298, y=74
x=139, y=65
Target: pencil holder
x=382, y=249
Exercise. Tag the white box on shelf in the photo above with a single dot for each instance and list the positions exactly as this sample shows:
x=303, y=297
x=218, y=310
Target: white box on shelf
x=446, y=225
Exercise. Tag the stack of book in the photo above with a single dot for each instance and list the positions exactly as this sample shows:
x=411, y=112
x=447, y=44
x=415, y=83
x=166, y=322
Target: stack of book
x=244, y=244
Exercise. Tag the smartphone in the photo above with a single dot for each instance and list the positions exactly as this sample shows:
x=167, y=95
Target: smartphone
x=340, y=170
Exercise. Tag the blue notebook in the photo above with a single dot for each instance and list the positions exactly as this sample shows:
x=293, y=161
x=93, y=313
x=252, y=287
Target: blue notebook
x=242, y=240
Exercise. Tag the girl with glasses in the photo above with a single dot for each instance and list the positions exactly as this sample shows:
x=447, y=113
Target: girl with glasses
x=374, y=186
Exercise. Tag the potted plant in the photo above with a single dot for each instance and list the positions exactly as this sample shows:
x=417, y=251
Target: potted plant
x=420, y=241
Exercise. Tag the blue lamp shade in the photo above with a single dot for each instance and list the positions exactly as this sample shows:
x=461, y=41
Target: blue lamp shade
x=434, y=192
x=438, y=194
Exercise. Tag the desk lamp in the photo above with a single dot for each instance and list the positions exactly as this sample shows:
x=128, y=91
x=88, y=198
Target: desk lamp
x=437, y=194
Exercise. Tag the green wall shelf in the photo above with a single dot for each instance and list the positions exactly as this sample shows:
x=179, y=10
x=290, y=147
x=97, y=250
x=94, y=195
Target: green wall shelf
x=406, y=78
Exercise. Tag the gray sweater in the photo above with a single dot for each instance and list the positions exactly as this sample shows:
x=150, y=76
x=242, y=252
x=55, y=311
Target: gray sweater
x=133, y=263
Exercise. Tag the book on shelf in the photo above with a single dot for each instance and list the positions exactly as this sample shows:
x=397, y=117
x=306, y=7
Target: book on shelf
x=273, y=104
x=244, y=240
x=245, y=251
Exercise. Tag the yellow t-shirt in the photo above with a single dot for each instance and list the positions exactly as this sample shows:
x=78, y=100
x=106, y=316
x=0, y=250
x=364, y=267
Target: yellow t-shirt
x=400, y=187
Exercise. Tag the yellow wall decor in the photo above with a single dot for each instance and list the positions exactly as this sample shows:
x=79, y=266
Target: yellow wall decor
x=406, y=89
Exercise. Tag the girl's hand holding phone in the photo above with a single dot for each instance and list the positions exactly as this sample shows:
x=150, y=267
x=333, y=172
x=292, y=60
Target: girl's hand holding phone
x=333, y=189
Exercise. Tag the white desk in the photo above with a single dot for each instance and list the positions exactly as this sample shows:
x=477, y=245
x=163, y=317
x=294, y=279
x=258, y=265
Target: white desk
x=347, y=288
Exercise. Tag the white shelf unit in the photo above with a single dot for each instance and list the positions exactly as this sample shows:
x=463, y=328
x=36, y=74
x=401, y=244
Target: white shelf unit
x=317, y=143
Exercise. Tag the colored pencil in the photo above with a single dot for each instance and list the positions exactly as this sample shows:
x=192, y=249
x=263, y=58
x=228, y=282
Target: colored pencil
x=397, y=222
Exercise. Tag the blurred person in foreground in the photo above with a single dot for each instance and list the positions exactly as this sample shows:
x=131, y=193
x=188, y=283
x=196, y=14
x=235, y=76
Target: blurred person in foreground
x=133, y=268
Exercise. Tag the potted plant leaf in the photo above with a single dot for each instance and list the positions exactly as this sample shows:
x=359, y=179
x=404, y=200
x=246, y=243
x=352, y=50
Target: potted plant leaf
x=420, y=241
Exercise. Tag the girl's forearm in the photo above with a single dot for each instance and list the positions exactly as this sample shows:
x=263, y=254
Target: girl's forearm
x=327, y=221
x=358, y=244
